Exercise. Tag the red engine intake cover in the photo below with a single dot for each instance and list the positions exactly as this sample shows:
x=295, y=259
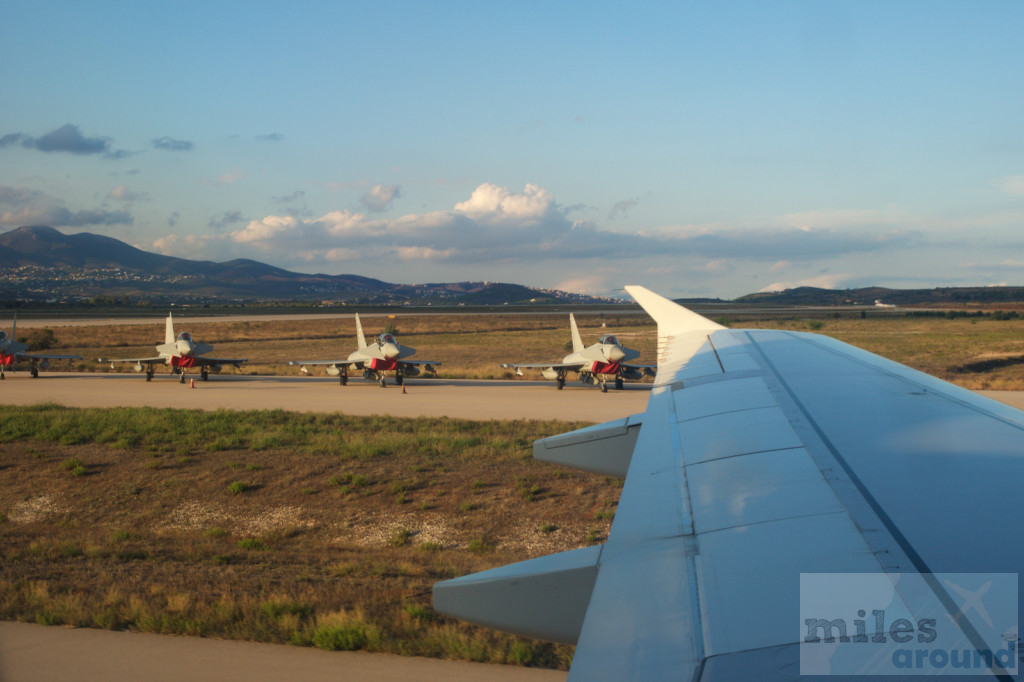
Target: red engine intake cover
x=183, y=362
x=606, y=367
x=377, y=364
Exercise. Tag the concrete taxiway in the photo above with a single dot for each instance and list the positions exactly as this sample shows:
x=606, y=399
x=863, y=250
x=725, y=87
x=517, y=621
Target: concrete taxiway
x=421, y=397
x=56, y=654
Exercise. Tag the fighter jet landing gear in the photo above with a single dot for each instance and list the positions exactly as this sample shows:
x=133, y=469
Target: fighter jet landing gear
x=619, y=383
x=149, y=373
x=399, y=379
x=34, y=372
x=604, y=387
x=343, y=379
x=382, y=384
x=560, y=382
x=181, y=380
x=204, y=374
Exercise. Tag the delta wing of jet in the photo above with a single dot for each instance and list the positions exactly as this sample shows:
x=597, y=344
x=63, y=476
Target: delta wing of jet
x=768, y=462
x=595, y=363
x=375, y=360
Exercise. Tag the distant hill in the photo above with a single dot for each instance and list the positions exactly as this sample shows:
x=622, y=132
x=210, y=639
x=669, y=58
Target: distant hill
x=42, y=263
x=868, y=295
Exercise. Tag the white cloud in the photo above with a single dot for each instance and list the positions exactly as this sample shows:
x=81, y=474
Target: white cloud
x=494, y=205
x=261, y=231
x=380, y=197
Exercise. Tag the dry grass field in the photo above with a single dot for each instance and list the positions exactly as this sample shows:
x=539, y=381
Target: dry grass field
x=316, y=530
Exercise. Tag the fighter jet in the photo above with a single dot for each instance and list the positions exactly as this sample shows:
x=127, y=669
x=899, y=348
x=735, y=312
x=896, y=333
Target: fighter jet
x=594, y=363
x=376, y=359
x=12, y=352
x=181, y=353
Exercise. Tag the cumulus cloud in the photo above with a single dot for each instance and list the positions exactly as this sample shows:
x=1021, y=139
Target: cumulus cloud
x=380, y=197
x=23, y=206
x=68, y=138
x=499, y=225
x=172, y=145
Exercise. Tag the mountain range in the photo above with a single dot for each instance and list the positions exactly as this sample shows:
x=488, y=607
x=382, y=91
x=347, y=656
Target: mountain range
x=43, y=263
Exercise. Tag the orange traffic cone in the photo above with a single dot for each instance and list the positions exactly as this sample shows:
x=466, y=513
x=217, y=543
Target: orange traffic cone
x=191, y=383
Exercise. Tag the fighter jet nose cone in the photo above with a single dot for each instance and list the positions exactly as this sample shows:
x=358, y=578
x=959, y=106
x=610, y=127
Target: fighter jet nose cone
x=390, y=350
x=615, y=353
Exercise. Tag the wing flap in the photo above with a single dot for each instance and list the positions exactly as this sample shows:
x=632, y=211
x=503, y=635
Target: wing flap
x=544, y=597
x=602, y=449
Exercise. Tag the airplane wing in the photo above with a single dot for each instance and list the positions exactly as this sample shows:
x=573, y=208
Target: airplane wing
x=158, y=358
x=433, y=363
x=38, y=356
x=574, y=366
x=320, y=363
x=766, y=457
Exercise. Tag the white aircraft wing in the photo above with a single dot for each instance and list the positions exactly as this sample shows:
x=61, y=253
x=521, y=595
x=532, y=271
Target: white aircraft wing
x=320, y=363
x=157, y=358
x=544, y=365
x=433, y=363
x=40, y=356
x=763, y=456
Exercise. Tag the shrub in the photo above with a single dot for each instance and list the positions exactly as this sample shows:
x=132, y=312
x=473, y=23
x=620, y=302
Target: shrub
x=237, y=487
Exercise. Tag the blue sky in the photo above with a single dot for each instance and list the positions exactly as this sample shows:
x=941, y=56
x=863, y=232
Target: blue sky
x=701, y=149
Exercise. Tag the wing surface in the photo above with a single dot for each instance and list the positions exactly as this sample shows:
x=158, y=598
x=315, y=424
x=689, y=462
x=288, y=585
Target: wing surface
x=157, y=358
x=38, y=356
x=321, y=363
x=764, y=455
x=544, y=365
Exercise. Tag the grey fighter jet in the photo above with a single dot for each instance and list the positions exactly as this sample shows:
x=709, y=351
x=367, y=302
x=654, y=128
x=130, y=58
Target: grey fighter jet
x=375, y=360
x=13, y=352
x=595, y=363
x=181, y=353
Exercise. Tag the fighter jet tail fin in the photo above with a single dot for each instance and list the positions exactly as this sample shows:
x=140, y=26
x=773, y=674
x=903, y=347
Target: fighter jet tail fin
x=577, y=342
x=169, y=330
x=359, y=333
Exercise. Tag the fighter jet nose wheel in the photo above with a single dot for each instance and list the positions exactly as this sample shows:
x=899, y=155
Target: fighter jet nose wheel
x=618, y=384
x=604, y=388
x=35, y=372
x=382, y=384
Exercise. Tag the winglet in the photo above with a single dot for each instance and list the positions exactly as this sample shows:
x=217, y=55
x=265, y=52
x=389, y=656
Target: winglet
x=169, y=330
x=360, y=339
x=671, y=317
x=577, y=342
